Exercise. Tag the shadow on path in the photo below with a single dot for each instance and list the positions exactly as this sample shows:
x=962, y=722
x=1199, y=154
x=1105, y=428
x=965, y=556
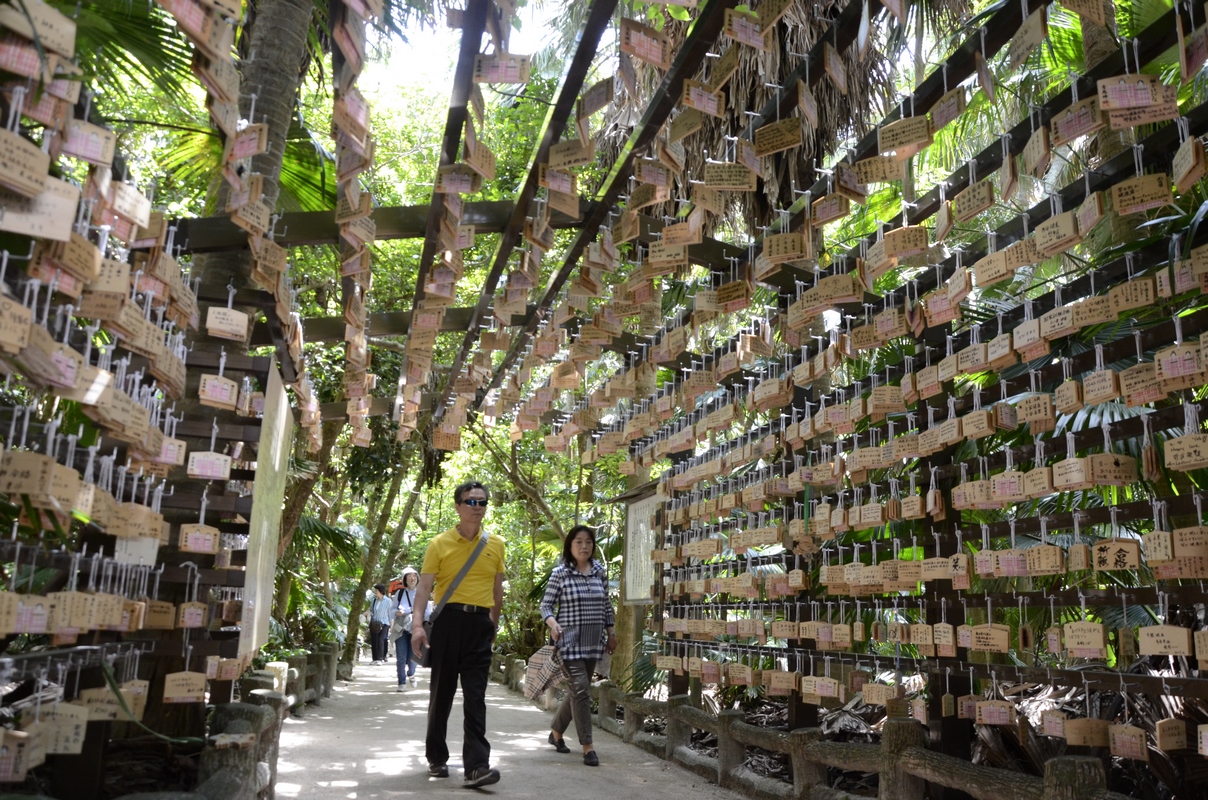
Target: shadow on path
x=367, y=741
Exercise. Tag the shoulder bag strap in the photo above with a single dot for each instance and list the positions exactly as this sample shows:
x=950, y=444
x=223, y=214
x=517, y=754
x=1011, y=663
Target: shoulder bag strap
x=478, y=548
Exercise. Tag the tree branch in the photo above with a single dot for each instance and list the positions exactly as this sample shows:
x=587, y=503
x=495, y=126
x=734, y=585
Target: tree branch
x=519, y=482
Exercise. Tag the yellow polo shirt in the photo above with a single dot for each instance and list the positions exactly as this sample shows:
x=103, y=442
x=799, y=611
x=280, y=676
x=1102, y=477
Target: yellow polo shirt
x=447, y=553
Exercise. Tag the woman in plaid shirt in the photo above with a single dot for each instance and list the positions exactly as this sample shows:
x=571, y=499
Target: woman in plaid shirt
x=578, y=588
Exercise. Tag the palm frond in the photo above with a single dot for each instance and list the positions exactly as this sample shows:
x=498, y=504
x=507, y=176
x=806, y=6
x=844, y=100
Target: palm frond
x=313, y=532
x=125, y=46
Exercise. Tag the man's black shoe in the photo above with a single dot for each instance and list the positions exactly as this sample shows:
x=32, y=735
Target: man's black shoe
x=559, y=744
x=483, y=776
x=591, y=759
x=438, y=770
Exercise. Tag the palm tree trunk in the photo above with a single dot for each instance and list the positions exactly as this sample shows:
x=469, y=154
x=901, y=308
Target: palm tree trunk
x=274, y=44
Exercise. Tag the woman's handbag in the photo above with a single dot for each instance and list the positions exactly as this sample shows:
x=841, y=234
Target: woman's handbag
x=398, y=627
x=375, y=626
x=425, y=657
x=544, y=670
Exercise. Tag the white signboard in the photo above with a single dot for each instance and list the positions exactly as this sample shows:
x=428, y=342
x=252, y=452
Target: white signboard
x=268, y=494
x=639, y=541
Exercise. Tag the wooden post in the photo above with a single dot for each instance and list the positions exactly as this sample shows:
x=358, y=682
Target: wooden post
x=1073, y=777
x=633, y=721
x=677, y=684
x=270, y=737
x=730, y=753
x=678, y=732
x=79, y=777
x=333, y=657
x=316, y=660
x=806, y=774
x=296, y=684
x=801, y=714
x=610, y=696
x=952, y=735
x=222, y=692
x=896, y=783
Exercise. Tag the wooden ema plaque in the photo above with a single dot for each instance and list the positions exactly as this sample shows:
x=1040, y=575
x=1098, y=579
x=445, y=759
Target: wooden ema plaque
x=1086, y=639
x=778, y=136
x=573, y=152
x=23, y=165
x=645, y=43
x=1165, y=640
x=1087, y=732
x=905, y=137
x=729, y=176
x=1080, y=119
x=807, y=103
x=704, y=98
x=686, y=122
x=948, y=108
x=836, y=70
x=744, y=27
x=501, y=68
x=1032, y=32
x=1189, y=164
x=879, y=169
x=1141, y=193
x=724, y=68
x=973, y=201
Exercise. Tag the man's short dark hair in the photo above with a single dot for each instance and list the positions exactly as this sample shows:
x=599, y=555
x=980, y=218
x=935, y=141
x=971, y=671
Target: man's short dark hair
x=461, y=490
x=381, y=587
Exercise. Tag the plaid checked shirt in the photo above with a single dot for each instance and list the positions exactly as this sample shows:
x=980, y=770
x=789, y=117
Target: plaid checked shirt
x=584, y=610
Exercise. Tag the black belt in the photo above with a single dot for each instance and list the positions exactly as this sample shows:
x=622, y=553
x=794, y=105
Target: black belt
x=465, y=609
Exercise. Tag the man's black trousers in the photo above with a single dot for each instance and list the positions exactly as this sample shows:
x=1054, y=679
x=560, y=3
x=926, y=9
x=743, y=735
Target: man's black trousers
x=461, y=648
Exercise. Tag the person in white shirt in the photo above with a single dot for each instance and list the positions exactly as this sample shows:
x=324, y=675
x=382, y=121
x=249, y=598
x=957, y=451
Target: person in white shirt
x=381, y=613
x=401, y=630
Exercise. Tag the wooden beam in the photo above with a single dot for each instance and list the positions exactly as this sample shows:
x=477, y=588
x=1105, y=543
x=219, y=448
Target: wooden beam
x=473, y=25
x=302, y=228
x=559, y=114
x=384, y=323
x=700, y=39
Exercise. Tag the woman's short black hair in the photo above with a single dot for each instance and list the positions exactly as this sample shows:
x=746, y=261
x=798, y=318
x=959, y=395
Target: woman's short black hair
x=381, y=587
x=460, y=491
x=567, y=556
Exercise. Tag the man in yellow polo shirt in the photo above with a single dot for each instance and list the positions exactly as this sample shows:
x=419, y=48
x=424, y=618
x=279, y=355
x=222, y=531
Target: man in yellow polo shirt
x=461, y=634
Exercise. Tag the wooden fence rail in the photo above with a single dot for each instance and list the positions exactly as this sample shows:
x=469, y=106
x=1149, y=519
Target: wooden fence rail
x=902, y=760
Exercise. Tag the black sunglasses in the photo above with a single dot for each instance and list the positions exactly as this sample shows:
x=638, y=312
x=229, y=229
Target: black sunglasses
x=474, y=503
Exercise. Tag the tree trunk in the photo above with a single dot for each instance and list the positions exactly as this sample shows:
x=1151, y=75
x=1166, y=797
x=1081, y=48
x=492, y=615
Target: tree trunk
x=299, y=492
x=396, y=540
x=274, y=43
x=379, y=529
x=325, y=572
x=1097, y=41
x=285, y=582
x=275, y=46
